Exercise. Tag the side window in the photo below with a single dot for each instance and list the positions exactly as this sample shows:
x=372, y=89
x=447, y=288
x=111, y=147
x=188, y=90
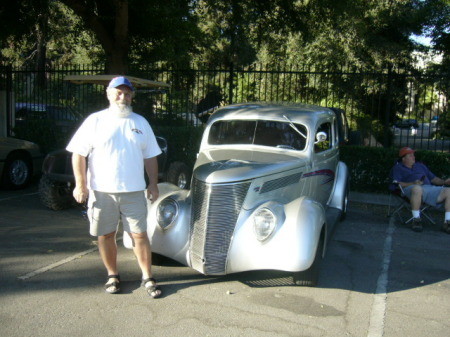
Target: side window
x=281, y=135
x=328, y=143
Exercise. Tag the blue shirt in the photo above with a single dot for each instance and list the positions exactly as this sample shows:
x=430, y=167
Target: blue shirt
x=419, y=171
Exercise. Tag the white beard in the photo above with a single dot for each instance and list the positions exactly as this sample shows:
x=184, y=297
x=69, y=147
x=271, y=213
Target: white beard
x=121, y=110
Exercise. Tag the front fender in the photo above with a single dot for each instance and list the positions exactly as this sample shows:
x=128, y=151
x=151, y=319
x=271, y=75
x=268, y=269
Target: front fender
x=173, y=241
x=340, y=190
x=292, y=245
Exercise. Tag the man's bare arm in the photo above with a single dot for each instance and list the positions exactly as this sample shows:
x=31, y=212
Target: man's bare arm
x=80, y=192
x=151, y=167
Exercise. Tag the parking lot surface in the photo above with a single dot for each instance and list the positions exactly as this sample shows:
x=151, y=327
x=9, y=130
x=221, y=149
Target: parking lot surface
x=378, y=278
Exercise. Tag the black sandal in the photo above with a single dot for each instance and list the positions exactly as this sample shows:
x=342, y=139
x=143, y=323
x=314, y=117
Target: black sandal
x=153, y=290
x=115, y=285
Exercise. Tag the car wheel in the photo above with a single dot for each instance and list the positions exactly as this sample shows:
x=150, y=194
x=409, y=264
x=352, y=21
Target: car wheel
x=310, y=276
x=178, y=174
x=54, y=194
x=17, y=171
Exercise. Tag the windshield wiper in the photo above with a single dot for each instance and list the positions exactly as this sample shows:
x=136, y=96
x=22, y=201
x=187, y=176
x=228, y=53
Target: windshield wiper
x=292, y=125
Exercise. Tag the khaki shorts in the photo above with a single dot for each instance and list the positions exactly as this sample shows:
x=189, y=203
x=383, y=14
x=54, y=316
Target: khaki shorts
x=430, y=194
x=107, y=210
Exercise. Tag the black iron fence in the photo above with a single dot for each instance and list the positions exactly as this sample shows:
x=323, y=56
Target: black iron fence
x=393, y=107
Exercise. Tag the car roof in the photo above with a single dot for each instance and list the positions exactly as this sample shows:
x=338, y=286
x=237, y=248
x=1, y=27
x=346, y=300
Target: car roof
x=105, y=79
x=296, y=112
x=38, y=106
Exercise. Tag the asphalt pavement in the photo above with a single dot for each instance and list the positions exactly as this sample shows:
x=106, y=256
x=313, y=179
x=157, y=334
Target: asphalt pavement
x=378, y=278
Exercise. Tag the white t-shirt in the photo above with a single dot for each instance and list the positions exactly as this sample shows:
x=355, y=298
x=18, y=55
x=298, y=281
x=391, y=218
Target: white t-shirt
x=117, y=147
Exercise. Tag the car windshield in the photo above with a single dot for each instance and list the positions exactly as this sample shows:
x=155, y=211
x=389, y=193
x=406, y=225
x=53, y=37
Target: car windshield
x=258, y=132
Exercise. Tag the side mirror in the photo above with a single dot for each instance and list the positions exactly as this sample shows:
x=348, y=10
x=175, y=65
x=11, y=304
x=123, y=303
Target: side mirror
x=320, y=137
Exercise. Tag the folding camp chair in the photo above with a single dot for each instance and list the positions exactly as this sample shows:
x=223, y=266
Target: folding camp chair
x=398, y=201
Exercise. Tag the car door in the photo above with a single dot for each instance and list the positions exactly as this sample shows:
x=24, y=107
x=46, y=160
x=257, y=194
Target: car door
x=325, y=160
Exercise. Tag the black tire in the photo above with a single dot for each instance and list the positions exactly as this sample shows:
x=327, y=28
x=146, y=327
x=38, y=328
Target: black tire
x=54, y=194
x=157, y=260
x=310, y=277
x=178, y=174
x=17, y=172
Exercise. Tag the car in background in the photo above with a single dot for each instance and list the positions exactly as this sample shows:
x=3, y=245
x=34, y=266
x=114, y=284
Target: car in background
x=434, y=125
x=407, y=124
x=424, y=130
x=405, y=127
x=267, y=189
x=20, y=160
x=65, y=118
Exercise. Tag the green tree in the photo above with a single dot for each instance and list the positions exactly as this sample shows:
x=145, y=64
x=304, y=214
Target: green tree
x=32, y=27
x=363, y=33
x=56, y=35
x=108, y=20
x=118, y=33
x=437, y=24
x=131, y=31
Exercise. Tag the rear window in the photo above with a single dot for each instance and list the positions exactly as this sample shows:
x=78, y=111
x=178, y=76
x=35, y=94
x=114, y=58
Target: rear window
x=257, y=132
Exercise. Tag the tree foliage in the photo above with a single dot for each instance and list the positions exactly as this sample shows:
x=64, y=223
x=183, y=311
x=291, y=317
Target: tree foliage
x=57, y=36
x=363, y=33
x=131, y=31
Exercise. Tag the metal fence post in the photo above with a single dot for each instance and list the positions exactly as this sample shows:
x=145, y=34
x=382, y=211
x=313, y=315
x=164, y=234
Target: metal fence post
x=387, y=113
x=9, y=99
x=230, y=90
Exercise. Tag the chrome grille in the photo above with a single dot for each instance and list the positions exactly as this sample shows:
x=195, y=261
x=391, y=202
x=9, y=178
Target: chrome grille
x=215, y=210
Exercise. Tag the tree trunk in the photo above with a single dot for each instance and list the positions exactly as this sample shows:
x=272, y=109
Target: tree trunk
x=116, y=62
x=114, y=40
x=41, y=49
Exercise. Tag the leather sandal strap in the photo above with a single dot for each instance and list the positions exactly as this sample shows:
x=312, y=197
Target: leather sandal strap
x=150, y=279
x=113, y=276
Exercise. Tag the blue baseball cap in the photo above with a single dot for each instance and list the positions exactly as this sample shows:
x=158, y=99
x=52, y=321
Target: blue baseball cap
x=120, y=80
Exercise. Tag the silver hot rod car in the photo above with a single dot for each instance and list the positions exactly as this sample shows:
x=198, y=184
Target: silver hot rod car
x=266, y=190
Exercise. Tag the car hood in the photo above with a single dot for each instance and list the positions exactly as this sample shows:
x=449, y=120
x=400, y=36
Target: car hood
x=224, y=166
x=8, y=144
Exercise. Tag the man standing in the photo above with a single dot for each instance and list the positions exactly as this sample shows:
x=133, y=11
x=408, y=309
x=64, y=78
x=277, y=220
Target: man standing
x=120, y=144
x=421, y=185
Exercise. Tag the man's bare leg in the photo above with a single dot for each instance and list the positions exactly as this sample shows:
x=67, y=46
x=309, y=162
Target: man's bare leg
x=107, y=247
x=143, y=252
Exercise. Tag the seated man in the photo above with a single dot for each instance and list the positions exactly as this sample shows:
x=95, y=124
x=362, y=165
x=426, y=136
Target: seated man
x=421, y=185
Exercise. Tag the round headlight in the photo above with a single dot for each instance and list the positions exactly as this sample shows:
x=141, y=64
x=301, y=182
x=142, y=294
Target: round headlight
x=167, y=212
x=264, y=223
